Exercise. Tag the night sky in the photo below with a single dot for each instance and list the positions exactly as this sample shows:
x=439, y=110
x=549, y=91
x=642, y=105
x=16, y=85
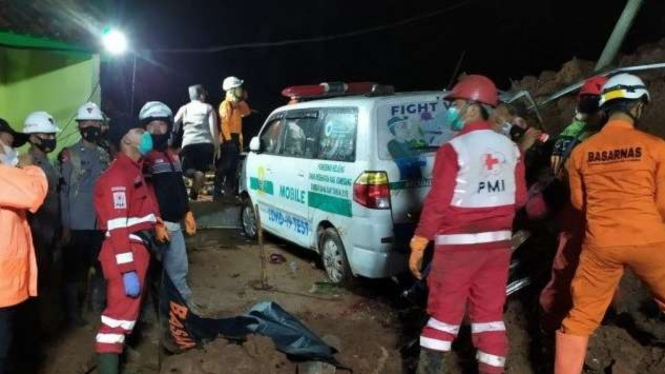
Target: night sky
x=503, y=39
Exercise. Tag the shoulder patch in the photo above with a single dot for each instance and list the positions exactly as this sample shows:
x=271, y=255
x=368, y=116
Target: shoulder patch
x=119, y=200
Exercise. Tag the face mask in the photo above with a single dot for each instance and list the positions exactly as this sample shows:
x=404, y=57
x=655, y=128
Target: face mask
x=46, y=145
x=91, y=134
x=10, y=158
x=455, y=120
x=145, y=144
x=160, y=142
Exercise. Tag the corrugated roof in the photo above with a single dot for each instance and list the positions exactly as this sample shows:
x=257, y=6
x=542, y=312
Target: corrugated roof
x=59, y=24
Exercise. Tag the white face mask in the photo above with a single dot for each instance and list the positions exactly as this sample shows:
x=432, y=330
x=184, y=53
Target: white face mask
x=10, y=156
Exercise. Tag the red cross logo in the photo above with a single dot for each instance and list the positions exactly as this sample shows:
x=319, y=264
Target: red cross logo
x=490, y=161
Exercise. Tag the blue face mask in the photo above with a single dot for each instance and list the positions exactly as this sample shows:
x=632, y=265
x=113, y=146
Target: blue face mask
x=145, y=144
x=455, y=120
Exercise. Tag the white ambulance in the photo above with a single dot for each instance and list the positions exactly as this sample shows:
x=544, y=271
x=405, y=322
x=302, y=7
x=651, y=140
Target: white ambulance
x=346, y=176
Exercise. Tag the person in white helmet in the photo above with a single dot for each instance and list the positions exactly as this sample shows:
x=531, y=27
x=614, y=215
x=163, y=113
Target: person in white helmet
x=45, y=223
x=200, y=143
x=81, y=165
x=163, y=172
x=231, y=112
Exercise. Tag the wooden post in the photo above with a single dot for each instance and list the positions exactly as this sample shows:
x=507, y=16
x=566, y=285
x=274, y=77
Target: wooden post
x=262, y=248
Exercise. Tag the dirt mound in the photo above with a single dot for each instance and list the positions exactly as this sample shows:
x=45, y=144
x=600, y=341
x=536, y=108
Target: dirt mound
x=558, y=114
x=257, y=355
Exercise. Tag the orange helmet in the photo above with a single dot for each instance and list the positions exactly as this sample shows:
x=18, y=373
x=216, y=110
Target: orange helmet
x=475, y=88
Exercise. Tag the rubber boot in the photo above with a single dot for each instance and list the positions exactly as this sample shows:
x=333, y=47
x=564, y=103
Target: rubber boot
x=108, y=363
x=430, y=362
x=570, y=353
x=73, y=305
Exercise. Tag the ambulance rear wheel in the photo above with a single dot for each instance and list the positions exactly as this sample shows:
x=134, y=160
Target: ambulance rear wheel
x=248, y=220
x=333, y=257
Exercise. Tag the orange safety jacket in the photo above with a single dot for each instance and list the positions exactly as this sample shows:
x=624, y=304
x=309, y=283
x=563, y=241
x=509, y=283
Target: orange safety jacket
x=20, y=190
x=618, y=178
x=230, y=116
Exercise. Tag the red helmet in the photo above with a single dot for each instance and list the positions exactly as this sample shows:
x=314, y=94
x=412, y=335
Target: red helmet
x=475, y=88
x=592, y=86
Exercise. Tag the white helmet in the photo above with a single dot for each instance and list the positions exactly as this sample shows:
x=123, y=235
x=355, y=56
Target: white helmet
x=232, y=82
x=623, y=86
x=90, y=112
x=155, y=110
x=38, y=123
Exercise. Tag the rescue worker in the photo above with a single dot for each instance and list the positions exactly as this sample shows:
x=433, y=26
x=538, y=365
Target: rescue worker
x=617, y=178
x=555, y=299
x=126, y=211
x=23, y=187
x=164, y=176
x=9, y=140
x=81, y=165
x=200, y=138
x=477, y=184
x=231, y=112
x=45, y=223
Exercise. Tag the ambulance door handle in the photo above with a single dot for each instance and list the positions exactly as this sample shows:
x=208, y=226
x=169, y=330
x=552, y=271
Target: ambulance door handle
x=301, y=174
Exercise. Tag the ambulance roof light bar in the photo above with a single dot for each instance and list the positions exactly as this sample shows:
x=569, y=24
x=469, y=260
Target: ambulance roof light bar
x=335, y=89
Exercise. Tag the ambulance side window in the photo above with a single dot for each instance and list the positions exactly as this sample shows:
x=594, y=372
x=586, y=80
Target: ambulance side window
x=337, y=136
x=297, y=134
x=271, y=137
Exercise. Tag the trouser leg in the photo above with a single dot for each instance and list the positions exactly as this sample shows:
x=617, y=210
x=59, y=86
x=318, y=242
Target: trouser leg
x=175, y=261
x=593, y=287
x=75, y=256
x=487, y=297
x=6, y=334
x=229, y=174
x=96, y=283
x=556, y=299
x=121, y=313
x=449, y=282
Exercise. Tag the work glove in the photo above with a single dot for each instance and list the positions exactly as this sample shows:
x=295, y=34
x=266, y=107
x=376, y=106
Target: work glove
x=418, y=245
x=161, y=232
x=132, y=285
x=190, y=223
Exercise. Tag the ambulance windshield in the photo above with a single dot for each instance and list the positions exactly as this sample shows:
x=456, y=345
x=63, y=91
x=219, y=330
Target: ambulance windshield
x=412, y=128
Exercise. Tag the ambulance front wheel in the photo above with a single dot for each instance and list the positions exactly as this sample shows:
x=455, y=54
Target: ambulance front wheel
x=333, y=257
x=248, y=219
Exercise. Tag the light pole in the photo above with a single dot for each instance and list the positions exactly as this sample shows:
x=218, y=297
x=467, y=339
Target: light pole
x=115, y=43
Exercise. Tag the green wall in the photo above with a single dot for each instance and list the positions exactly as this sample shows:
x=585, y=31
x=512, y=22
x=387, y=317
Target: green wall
x=54, y=81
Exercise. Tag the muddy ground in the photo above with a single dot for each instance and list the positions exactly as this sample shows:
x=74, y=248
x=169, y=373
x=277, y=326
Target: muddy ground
x=373, y=327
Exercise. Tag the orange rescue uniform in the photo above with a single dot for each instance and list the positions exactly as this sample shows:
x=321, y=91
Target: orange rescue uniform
x=20, y=190
x=617, y=177
x=230, y=116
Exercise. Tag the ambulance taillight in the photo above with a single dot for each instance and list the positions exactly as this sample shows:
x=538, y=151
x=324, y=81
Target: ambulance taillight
x=372, y=190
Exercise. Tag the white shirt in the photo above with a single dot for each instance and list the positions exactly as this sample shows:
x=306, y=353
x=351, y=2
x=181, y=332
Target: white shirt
x=199, y=122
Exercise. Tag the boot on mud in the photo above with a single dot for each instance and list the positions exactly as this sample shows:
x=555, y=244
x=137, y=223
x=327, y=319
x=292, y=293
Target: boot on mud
x=430, y=362
x=73, y=305
x=570, y=353
x=108, y=363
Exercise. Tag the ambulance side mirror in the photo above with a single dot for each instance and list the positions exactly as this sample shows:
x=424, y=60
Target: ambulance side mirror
x=255, y=144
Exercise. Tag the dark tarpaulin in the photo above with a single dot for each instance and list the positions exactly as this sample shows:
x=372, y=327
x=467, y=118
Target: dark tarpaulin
x=290, y=336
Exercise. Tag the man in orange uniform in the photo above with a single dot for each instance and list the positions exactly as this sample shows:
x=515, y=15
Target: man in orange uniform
x=617, y=177
x=231, y=112
x=22, y=188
